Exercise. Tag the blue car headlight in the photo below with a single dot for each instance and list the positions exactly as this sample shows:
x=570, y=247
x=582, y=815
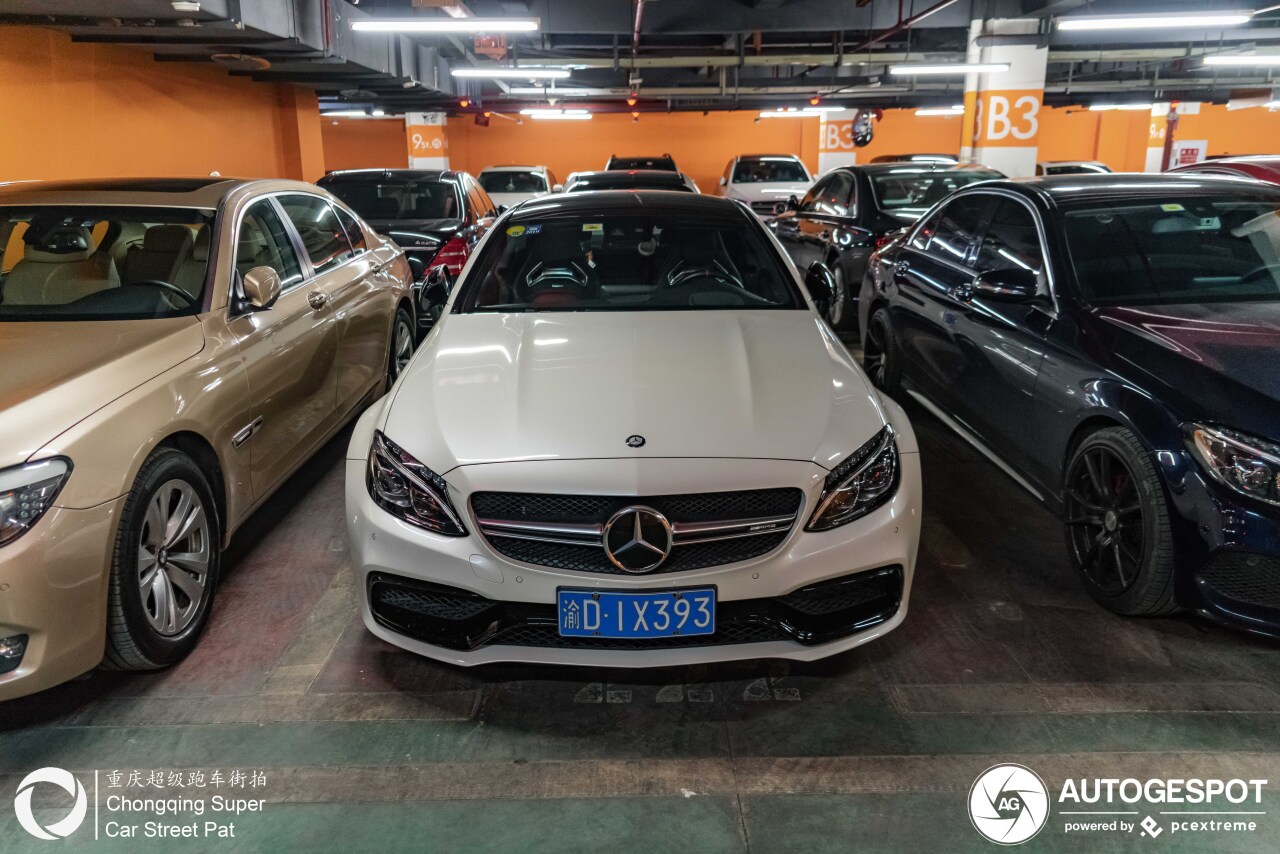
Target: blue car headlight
x=864, y=481
x=1248, y=464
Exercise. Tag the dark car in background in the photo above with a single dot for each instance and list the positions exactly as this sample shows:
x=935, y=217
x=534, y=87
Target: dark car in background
x=436, y=216
x=665, y=162
x=631, y=179
x=1111, y=344
x=851, y=209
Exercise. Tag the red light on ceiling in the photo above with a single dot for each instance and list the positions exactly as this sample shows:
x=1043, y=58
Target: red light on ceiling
x=631, y=99
x=815, y=101
x=464, y=103
x=635, y=116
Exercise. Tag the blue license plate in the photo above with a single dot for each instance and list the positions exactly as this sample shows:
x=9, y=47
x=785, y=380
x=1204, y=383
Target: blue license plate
x=602, y=614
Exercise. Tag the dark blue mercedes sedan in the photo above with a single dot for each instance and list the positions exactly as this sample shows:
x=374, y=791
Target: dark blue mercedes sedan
x=1111, y=342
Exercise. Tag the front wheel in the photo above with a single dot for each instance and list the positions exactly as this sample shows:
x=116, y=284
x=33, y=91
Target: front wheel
x=401, y=346
x=165, y=566
x=840, y=314
x=879, y=359
x=1117, y=525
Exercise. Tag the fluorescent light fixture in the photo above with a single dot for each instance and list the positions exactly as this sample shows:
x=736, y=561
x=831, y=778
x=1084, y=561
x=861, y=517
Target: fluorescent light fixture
x=445, y=25
x=1250, y=59
x=504, y=73
x=354, y=114
x=957, y=110
x=950, y=68
x=790, y=113
x=1169, y=20
x=1098, y=108
x=580, y=115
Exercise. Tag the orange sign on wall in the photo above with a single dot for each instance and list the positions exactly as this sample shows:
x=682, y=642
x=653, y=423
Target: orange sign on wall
x=426, y=141
x=1006, y=119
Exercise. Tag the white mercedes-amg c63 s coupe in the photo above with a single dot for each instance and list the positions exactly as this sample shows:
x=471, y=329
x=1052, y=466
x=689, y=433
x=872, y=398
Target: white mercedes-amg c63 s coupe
x=630, y=440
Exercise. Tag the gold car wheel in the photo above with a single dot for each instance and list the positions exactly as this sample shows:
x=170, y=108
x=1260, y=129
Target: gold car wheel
x=403, y=344
x=174, y=552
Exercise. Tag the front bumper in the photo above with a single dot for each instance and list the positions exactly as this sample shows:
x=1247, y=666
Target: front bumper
x=53, y=588
x=511, y=615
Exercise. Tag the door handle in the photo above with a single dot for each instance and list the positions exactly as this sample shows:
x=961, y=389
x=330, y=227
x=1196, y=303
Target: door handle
x=902, y=268
x=317, y=299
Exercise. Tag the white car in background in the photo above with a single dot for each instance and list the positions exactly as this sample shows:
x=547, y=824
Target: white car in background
x=510, y=185
x=631, y=440
x=765, y=181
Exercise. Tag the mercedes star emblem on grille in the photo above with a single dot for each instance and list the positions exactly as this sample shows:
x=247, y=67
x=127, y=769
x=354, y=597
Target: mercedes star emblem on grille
x=637, y=539
x=635, y=441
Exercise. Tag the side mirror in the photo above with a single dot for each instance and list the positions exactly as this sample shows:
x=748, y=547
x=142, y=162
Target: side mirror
x=821, y=285
x=793, y=204
x=435, y=292
x=502, y=209
x=723, y=181
x=1012, y=284
x=261, y=287
x=557, y=188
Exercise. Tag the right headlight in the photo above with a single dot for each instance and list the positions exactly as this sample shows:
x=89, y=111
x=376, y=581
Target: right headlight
x=863, y=481
x=407, y=489
x=26, y=492
x=1247, y=464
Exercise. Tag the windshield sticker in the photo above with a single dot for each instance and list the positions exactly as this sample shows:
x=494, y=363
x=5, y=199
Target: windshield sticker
x=1171, y=208
x=534, y=229
x=593, y=227
x=515, y=231
x=647, y=248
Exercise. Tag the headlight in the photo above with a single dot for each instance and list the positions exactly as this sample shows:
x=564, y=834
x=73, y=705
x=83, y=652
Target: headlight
x=26, y=491
x=1245, y=463
x=409, y=490
x=866, y=479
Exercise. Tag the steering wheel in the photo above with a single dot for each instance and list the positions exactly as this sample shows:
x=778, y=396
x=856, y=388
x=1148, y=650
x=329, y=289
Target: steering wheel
x=693, y=274
x=165, y=286
x=1260, y=271
x=721, y=284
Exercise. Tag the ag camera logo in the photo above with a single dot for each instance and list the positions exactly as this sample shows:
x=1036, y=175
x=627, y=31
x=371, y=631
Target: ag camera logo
x=63, y=780
x=1008, y=804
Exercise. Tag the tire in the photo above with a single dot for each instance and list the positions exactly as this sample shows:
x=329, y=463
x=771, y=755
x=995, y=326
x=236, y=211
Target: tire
x=1117, y=525
x=879, y=356
x=142, y=634
x=401, y=349
x=841, y=314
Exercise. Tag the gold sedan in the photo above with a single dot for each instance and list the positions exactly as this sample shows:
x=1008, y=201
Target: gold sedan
x=172, y=350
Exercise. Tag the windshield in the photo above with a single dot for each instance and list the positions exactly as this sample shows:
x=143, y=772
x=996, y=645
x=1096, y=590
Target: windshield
x=397, y=198
x=915, y=189
x=513, y=182
x=1177, y=250
x=600, y=262
x=769, y=170
x=102, y=263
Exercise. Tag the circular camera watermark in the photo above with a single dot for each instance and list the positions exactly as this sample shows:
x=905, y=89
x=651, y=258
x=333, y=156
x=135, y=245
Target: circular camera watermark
x=1008, y=804
x=63, y=827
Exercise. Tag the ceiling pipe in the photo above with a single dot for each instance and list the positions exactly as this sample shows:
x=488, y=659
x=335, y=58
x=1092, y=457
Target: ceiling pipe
x=635, y=30
x=903, y=24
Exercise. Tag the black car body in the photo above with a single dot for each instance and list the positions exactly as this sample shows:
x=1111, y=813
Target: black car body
x=631, y=179
x=851, y=209
x=436, y=216
x=1113, y=344
x=665, y=162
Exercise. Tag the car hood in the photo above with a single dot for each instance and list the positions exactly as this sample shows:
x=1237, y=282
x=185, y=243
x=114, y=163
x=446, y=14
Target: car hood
x=56, y=374
x=1218, y=357
x=769, y=191
x=551, y=386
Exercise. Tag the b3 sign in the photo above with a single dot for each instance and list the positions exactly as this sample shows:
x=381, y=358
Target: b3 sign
x=1008, y=119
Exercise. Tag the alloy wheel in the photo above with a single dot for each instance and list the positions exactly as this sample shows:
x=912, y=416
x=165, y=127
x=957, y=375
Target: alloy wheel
x=873, y=351
x=174, y=553
x=835, y=314
x=403, y=347
x=1105, y=520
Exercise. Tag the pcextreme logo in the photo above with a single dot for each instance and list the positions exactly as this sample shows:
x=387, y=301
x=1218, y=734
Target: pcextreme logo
x=1008, y=804
x=63, y=780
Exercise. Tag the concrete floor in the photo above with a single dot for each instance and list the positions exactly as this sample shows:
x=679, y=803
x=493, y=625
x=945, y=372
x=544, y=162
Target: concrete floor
x=368, y=748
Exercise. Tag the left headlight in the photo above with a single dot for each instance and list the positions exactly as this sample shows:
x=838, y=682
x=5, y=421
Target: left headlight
x=865, y=480
x=1245, y=463
x=26, y=492
x=407, y=489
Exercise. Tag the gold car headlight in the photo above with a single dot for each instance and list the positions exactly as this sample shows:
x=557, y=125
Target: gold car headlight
x=407, y=489
x=864, y=480
x=26, y=492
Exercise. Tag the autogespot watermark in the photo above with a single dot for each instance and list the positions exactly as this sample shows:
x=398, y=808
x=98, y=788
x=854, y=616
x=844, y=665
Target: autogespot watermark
x=161, y=804
x=1009, y=804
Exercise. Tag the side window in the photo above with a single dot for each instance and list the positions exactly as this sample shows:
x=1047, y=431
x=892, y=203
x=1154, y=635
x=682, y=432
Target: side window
x=484, y=205
x=833, y=199
x=355, y=233
x=1011, y=240
x=959, y=226
x=263, y=241
x=810, y=200
x=321, y=232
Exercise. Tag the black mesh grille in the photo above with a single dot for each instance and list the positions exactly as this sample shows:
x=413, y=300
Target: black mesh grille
x=699, y=507
x=1253, y=579
x=730, y=633
x=593, y=558
x=843, y=594
x=446, y=605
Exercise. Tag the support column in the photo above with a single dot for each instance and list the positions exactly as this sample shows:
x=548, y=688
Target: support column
x=835, y=140
x=1001, y=110
x=1164, y=148
x=426, y=141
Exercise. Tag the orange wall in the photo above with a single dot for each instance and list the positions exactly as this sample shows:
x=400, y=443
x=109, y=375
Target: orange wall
x=701, y=145
x=81, y=110
x=364, y=143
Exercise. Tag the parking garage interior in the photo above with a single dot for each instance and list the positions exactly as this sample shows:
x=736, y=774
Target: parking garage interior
x=351, y=743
